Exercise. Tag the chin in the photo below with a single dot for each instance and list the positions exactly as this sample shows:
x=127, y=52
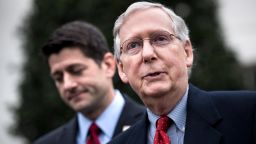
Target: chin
x=156, y=90
x=79, y=107
x=151, y=94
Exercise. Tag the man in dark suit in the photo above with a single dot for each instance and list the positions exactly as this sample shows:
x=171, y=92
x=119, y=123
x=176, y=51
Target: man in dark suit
x=82, y=68
x=154, y=55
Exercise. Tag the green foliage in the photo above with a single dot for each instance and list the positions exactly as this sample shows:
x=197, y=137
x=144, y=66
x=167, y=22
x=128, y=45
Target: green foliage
x=41, y=108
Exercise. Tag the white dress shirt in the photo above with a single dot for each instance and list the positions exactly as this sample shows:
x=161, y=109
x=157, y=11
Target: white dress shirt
x=177, y=130
x=107, y=121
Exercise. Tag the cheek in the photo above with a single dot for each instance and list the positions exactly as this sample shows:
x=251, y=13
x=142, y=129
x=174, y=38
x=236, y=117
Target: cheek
x=127, y=69
x=175, y=65
x=178, y=71
x=60, y=90
x=132, y=73
x=58, y=87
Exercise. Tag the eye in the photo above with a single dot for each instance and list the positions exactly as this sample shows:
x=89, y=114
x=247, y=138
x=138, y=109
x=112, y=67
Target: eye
x=76, y=70
x=58, y=78
x=133, y=45
x=160, y=39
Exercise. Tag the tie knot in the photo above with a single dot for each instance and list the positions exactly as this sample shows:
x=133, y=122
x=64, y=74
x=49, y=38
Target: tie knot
x=94, y=129
x=94, y=132
x=163, y=123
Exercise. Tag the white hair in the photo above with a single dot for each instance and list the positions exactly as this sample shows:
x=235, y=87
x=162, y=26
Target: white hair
x=179, y=27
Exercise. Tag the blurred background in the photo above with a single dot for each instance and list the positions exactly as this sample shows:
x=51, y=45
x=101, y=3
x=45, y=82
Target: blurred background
x=222, y=32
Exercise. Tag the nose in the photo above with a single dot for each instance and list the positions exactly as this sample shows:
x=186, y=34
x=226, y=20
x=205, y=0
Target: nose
x=69, y=82
x=148, y=52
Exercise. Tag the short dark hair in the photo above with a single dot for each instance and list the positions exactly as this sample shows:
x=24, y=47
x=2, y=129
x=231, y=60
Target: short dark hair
x=80, y=34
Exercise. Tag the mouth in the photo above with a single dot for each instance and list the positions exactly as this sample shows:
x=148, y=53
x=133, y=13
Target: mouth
x=153, y=74
x=75, y=95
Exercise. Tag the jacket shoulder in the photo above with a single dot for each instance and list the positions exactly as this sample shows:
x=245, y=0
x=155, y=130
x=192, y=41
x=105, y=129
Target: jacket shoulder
x=136, y=134
x=50, y=137
x=54, y=136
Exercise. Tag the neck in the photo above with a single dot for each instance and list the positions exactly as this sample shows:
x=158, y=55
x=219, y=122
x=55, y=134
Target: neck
x=166, y=103
x=100, y=106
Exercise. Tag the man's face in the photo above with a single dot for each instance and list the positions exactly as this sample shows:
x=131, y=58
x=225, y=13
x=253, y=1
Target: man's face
x=154, y=72
x=83, y=84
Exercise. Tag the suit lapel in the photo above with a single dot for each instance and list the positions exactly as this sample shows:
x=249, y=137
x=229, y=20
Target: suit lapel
x=68, y=135
x=202, y=115
x=130, y=114
x=140, y=132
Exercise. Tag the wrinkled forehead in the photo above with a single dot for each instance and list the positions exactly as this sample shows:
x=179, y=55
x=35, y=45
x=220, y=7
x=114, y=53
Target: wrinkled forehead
x=131, y=11
x=144, y=21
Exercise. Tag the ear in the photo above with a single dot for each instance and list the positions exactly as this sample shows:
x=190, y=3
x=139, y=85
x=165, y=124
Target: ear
x=121, y=72
x=108, y=64
x=188, y=53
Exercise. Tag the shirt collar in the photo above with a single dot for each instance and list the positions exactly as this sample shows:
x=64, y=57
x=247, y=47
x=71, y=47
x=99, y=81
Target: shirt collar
x=106, y=121
x=178, y=114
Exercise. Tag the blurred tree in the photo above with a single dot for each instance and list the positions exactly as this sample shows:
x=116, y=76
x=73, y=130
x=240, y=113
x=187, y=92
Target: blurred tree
x=41, y=108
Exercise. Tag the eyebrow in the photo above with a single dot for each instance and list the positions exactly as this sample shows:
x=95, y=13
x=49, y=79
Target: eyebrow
x=55, y=73
x=151, y=32
x=69, y=67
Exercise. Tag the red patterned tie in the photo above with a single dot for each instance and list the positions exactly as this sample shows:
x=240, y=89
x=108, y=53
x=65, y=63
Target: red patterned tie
x=94, y=132
x=162, y=125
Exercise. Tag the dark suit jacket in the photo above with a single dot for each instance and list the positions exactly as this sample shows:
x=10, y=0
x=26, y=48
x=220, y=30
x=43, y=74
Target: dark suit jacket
x=212, y=118
x=66, y=134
